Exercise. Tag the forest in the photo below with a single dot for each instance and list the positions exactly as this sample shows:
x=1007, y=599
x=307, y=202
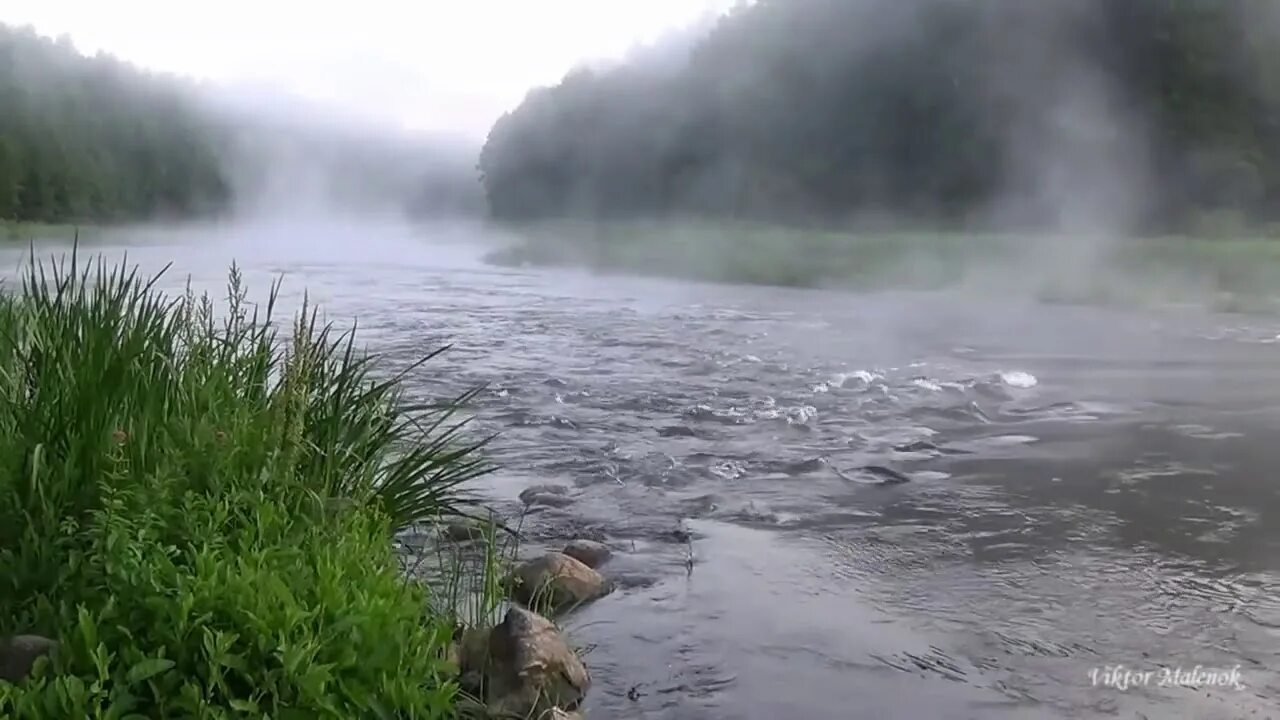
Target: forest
x=1134, y=115
x=95, y=139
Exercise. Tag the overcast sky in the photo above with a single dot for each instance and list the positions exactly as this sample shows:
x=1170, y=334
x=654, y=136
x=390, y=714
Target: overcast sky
x=440, y=65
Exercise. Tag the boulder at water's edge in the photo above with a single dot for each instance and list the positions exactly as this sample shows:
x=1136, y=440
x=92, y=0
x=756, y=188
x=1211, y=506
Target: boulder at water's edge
x=19, y=653
x=532, y=671
x=556, y=582
x=588, y=552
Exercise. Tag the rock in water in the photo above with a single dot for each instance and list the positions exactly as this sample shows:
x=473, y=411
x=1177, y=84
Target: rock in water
x=588, y=552
x=556, y=582
x=19, y=653
x=553, y=495
x=470, y=655
x=886, y=476
x=548, y=500
x=462, y=531
x=676, y=431
x=533, y=671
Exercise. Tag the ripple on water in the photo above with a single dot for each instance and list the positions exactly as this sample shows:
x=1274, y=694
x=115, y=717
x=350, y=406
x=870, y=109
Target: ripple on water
x=1204, y=432
x=997, y=442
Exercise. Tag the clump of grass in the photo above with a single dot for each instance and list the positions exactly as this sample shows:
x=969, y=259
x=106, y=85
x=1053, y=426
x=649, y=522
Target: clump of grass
x=202, y=513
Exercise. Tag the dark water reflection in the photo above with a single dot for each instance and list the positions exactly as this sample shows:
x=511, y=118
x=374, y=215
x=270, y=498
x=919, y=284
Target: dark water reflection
x=1085, y=487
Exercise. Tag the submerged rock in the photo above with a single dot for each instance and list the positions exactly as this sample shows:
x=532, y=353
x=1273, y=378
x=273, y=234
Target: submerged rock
x=886, y=476
x=19, y=653
x=805, y=466
x=924, y=446
x=470, y=654
x=557, y=582
x=547, y=494
x=588, y=552
x=680, y=535
x=532, y=671
x=462, y=531
x=676, y=431
x=548, y=500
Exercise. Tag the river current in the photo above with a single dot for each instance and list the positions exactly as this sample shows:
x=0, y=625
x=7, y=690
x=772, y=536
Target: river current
x=841, y=505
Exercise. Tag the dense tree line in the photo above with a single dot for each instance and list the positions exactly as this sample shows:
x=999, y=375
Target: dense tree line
x=1133, y=113
x=94, y=139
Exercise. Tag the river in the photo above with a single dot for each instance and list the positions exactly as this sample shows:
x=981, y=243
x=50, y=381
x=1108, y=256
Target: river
x=1085, y=488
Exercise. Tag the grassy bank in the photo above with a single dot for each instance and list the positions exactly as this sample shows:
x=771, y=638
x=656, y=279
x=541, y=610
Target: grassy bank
x=202, y=514
x=738, y=252
x=1235, y=271
x=12, y=230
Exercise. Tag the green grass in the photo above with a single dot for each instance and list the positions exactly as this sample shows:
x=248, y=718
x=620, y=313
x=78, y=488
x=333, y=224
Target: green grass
x=749, y=253
x=1226, y=271
x=203, y=513
x=12, y=230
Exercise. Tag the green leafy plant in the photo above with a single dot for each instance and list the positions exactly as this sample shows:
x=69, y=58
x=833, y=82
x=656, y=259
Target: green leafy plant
x=203, y=514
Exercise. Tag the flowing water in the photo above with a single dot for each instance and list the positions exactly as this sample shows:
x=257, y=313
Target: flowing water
x=832, y=505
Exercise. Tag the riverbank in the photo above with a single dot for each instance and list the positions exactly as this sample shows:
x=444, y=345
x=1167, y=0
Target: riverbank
x=1225, y=271
x=13, y=230
x=198, y=519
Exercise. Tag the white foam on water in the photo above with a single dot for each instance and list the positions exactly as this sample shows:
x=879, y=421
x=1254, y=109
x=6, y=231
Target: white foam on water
x=866, y=377
x=1009, y=440
x=801, y=414
x=1019, y=379
x=728, y=469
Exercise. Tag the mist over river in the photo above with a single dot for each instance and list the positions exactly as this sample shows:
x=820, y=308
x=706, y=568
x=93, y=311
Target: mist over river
x=900, y=505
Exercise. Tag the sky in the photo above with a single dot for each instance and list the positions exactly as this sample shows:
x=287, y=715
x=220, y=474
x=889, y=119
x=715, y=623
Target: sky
x=447, y=66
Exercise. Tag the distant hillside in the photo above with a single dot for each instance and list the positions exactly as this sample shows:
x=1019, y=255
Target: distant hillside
x=92, y=139
x=1074, y=114
x=96, y=139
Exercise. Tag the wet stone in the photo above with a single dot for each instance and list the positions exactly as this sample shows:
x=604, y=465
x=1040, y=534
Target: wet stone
x=556, y=582
x=886, y=476
x=19, y=653
x=546, y=494
x=676, y=431
x=588, y=552
x=463, y=531
x=532, y=671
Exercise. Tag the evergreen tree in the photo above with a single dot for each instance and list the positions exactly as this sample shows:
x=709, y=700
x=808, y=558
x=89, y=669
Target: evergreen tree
x=8, y=180
x=33, y=202
x=93, y=139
